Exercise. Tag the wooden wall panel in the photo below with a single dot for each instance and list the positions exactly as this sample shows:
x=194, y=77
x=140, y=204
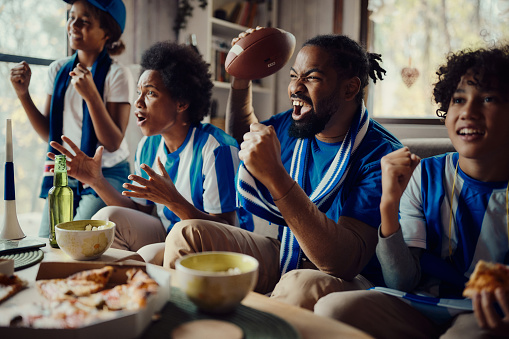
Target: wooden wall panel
x=304, y=19
x=147, y=21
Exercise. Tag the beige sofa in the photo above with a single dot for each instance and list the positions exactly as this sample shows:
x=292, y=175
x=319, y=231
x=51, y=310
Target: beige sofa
x=428, y=147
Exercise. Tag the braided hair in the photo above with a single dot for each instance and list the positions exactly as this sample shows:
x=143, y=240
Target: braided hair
x=490, y=67
x=351, y=59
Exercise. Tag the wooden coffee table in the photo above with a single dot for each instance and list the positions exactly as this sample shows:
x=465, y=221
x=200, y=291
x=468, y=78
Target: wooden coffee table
x=55, y=254
x=307, y=324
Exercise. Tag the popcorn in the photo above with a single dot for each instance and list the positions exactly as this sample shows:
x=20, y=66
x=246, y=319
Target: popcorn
x=234, y=270
x=95, y=228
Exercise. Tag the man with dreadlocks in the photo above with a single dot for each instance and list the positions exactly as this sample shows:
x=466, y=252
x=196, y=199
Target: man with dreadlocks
x=314, y=170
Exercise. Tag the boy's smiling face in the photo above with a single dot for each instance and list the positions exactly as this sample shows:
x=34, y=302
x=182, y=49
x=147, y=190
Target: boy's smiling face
x=477, y=120
x=84, y=30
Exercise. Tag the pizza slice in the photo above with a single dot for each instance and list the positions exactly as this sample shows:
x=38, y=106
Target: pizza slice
x=80, y=284
x=10, y=285
x=139, y=287
x=56, y=314
x=72, y=302
x=487, y=276
x=99, y=275
x=132, y=295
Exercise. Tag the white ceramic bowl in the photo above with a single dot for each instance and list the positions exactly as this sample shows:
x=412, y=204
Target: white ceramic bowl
x=81, y=244
x=216, y=282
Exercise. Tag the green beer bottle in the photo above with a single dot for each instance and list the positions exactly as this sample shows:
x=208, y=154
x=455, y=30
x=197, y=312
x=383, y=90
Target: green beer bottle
x=60, y=199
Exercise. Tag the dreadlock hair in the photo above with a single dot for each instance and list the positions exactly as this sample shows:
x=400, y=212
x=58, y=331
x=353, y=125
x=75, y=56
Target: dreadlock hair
x=490, y=68
x=184, y=74
x=350, y=58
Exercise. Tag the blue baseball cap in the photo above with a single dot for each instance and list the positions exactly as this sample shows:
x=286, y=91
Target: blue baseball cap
x=115, y=8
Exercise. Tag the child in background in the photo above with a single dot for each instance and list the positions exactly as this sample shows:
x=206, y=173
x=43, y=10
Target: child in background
x=453, y=212
x=88, y=99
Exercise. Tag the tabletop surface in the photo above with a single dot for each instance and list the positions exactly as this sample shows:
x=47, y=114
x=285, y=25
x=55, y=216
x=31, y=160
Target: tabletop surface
x=307, y=324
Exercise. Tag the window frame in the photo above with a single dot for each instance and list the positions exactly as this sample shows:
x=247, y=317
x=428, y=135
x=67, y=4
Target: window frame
x=34, y=61
x=17, y=58
x=366, y=36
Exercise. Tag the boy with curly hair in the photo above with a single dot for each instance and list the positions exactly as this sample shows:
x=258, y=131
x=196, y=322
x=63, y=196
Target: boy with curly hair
x=453, y=212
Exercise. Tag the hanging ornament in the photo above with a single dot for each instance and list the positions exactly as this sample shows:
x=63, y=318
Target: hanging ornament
x=409, y=74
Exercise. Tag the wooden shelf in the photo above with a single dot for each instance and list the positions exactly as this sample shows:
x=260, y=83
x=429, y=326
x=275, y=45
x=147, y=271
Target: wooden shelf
x=256, y=88
x=226, y=28
x=209, y=31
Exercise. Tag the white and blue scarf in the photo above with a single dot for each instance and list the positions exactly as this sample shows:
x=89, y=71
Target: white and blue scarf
x=99, y=71
x=255, y=197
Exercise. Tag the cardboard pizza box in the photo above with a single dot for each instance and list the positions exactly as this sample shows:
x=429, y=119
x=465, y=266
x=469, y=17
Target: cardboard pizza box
x=7, y=266
x=129, y=325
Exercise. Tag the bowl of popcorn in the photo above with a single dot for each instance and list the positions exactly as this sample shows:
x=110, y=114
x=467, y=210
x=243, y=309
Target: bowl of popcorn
x=85, y=239
x=216, y=282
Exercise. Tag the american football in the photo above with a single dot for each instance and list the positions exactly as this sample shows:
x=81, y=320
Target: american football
x=259, y=53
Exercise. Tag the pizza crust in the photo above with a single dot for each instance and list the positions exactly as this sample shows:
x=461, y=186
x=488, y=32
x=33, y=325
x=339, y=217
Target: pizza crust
x=81, y=284
x=130, y=296
x=99, y=275
x=10, y=285
x=487, y=276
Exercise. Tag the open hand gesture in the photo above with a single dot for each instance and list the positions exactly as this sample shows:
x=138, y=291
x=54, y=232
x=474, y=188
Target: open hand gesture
x=80, y=166
x=159, y=188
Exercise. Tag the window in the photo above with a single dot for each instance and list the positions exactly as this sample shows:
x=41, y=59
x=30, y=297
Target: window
x=33, y=31
x=414, y=37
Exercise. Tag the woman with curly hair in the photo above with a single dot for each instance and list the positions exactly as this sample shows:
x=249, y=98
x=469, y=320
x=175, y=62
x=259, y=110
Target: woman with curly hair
x=442, y=215
x=183, y=169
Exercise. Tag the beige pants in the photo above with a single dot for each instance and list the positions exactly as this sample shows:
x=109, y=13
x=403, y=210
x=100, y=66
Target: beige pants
x=301, y=287
x=134, y=229
x=386, y=316
x=195, y=235
x=304, y=287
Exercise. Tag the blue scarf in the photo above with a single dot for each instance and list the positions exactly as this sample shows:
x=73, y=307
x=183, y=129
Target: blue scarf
x=56, y=118
x=255, y=198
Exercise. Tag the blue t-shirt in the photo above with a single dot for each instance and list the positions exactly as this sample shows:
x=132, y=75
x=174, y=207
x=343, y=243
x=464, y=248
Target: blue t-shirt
x=203, y=170
x=478, y=226
x=359, y=196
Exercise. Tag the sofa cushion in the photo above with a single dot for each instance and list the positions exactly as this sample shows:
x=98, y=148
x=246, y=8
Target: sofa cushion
x=428, y=147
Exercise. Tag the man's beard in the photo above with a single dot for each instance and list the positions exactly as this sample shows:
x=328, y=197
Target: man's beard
x=315, y=123
x=309, y=128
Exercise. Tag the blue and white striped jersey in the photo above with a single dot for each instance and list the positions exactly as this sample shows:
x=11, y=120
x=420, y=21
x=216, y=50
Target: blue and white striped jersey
x=203, y=170
x=478, y=226
x=359, y=196
x=360, y=193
